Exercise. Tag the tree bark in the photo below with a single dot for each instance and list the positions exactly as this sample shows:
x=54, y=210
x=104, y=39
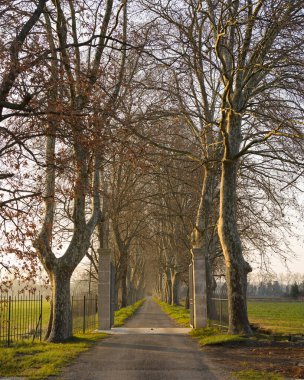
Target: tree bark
x=124, y=288
x=169, y=287
x=175, y=289
x=187, y=303
x=236, y=267
x=62, y=315
x=50, y=323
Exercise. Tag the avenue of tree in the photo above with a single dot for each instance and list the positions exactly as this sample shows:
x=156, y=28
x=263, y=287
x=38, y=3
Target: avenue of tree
x=150, y=128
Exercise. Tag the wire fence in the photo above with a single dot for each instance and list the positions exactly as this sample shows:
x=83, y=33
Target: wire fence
x=26, y=317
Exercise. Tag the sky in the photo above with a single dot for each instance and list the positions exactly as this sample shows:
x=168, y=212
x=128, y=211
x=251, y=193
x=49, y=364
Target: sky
x=295, y=263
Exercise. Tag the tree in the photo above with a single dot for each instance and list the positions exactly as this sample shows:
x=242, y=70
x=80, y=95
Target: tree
x=249, y=71
x=129, y=221
x=81, y=131
x=18, y=200
x=294, y=290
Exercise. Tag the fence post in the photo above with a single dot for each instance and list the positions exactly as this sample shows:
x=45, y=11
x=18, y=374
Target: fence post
x=96, y=311
x=9, y=320
x=41, y=300
x=84, y=314
x=220, y=314
x=72, y=309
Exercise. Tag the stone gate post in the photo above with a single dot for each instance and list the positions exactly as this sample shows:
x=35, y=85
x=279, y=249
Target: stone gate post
x=105, y=291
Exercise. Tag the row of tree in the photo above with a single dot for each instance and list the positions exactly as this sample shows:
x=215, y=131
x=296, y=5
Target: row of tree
x=136, y=126
x=275, y=289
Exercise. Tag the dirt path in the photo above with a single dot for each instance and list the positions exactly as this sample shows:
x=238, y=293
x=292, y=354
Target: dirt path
x=164, y=354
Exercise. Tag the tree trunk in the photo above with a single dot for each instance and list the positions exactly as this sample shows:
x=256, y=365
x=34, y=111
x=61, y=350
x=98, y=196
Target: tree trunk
x=200, y=233
x=175, y=289
x=187, y=302
x=169, y=287
x=49, y=328
x=62, y=313
x=236, y=267
x=172, y=281
x=124, y=290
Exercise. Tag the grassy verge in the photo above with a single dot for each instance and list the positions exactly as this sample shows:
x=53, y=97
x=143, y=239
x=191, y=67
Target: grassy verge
x=213, y=335
x=178, y=313
x=251, y=374
x=40, y=360
x=277, y=317
x=126, y=312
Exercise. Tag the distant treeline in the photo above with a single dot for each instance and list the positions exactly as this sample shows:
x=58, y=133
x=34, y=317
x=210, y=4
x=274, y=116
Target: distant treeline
x=294, y=289
x=276, y=289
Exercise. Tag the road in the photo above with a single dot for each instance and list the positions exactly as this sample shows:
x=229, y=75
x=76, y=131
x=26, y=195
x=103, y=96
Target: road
x=145, y=354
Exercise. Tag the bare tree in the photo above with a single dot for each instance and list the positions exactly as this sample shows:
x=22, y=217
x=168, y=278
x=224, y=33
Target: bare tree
x=82, y=130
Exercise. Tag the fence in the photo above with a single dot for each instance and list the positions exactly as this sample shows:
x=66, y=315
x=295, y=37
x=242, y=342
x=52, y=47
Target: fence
x=24, y=317
x=20, y=318
x=84, y=312
x=218, y=309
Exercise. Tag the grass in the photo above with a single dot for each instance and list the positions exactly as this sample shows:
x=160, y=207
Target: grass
x=278, y=317
x=40, y=360
x=250, y=374
x=213, y=335
x=178, y=313
x=124, y=313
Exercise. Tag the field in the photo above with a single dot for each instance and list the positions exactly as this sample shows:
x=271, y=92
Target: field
x=277, y=317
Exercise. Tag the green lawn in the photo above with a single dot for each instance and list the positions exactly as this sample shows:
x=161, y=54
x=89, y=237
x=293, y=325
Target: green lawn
x=250, y=374
x=278, y=317
x=40, y=360
x=213, y=335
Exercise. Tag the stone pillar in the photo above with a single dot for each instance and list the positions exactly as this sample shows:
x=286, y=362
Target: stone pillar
x=199, y=289
x=104, y=290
